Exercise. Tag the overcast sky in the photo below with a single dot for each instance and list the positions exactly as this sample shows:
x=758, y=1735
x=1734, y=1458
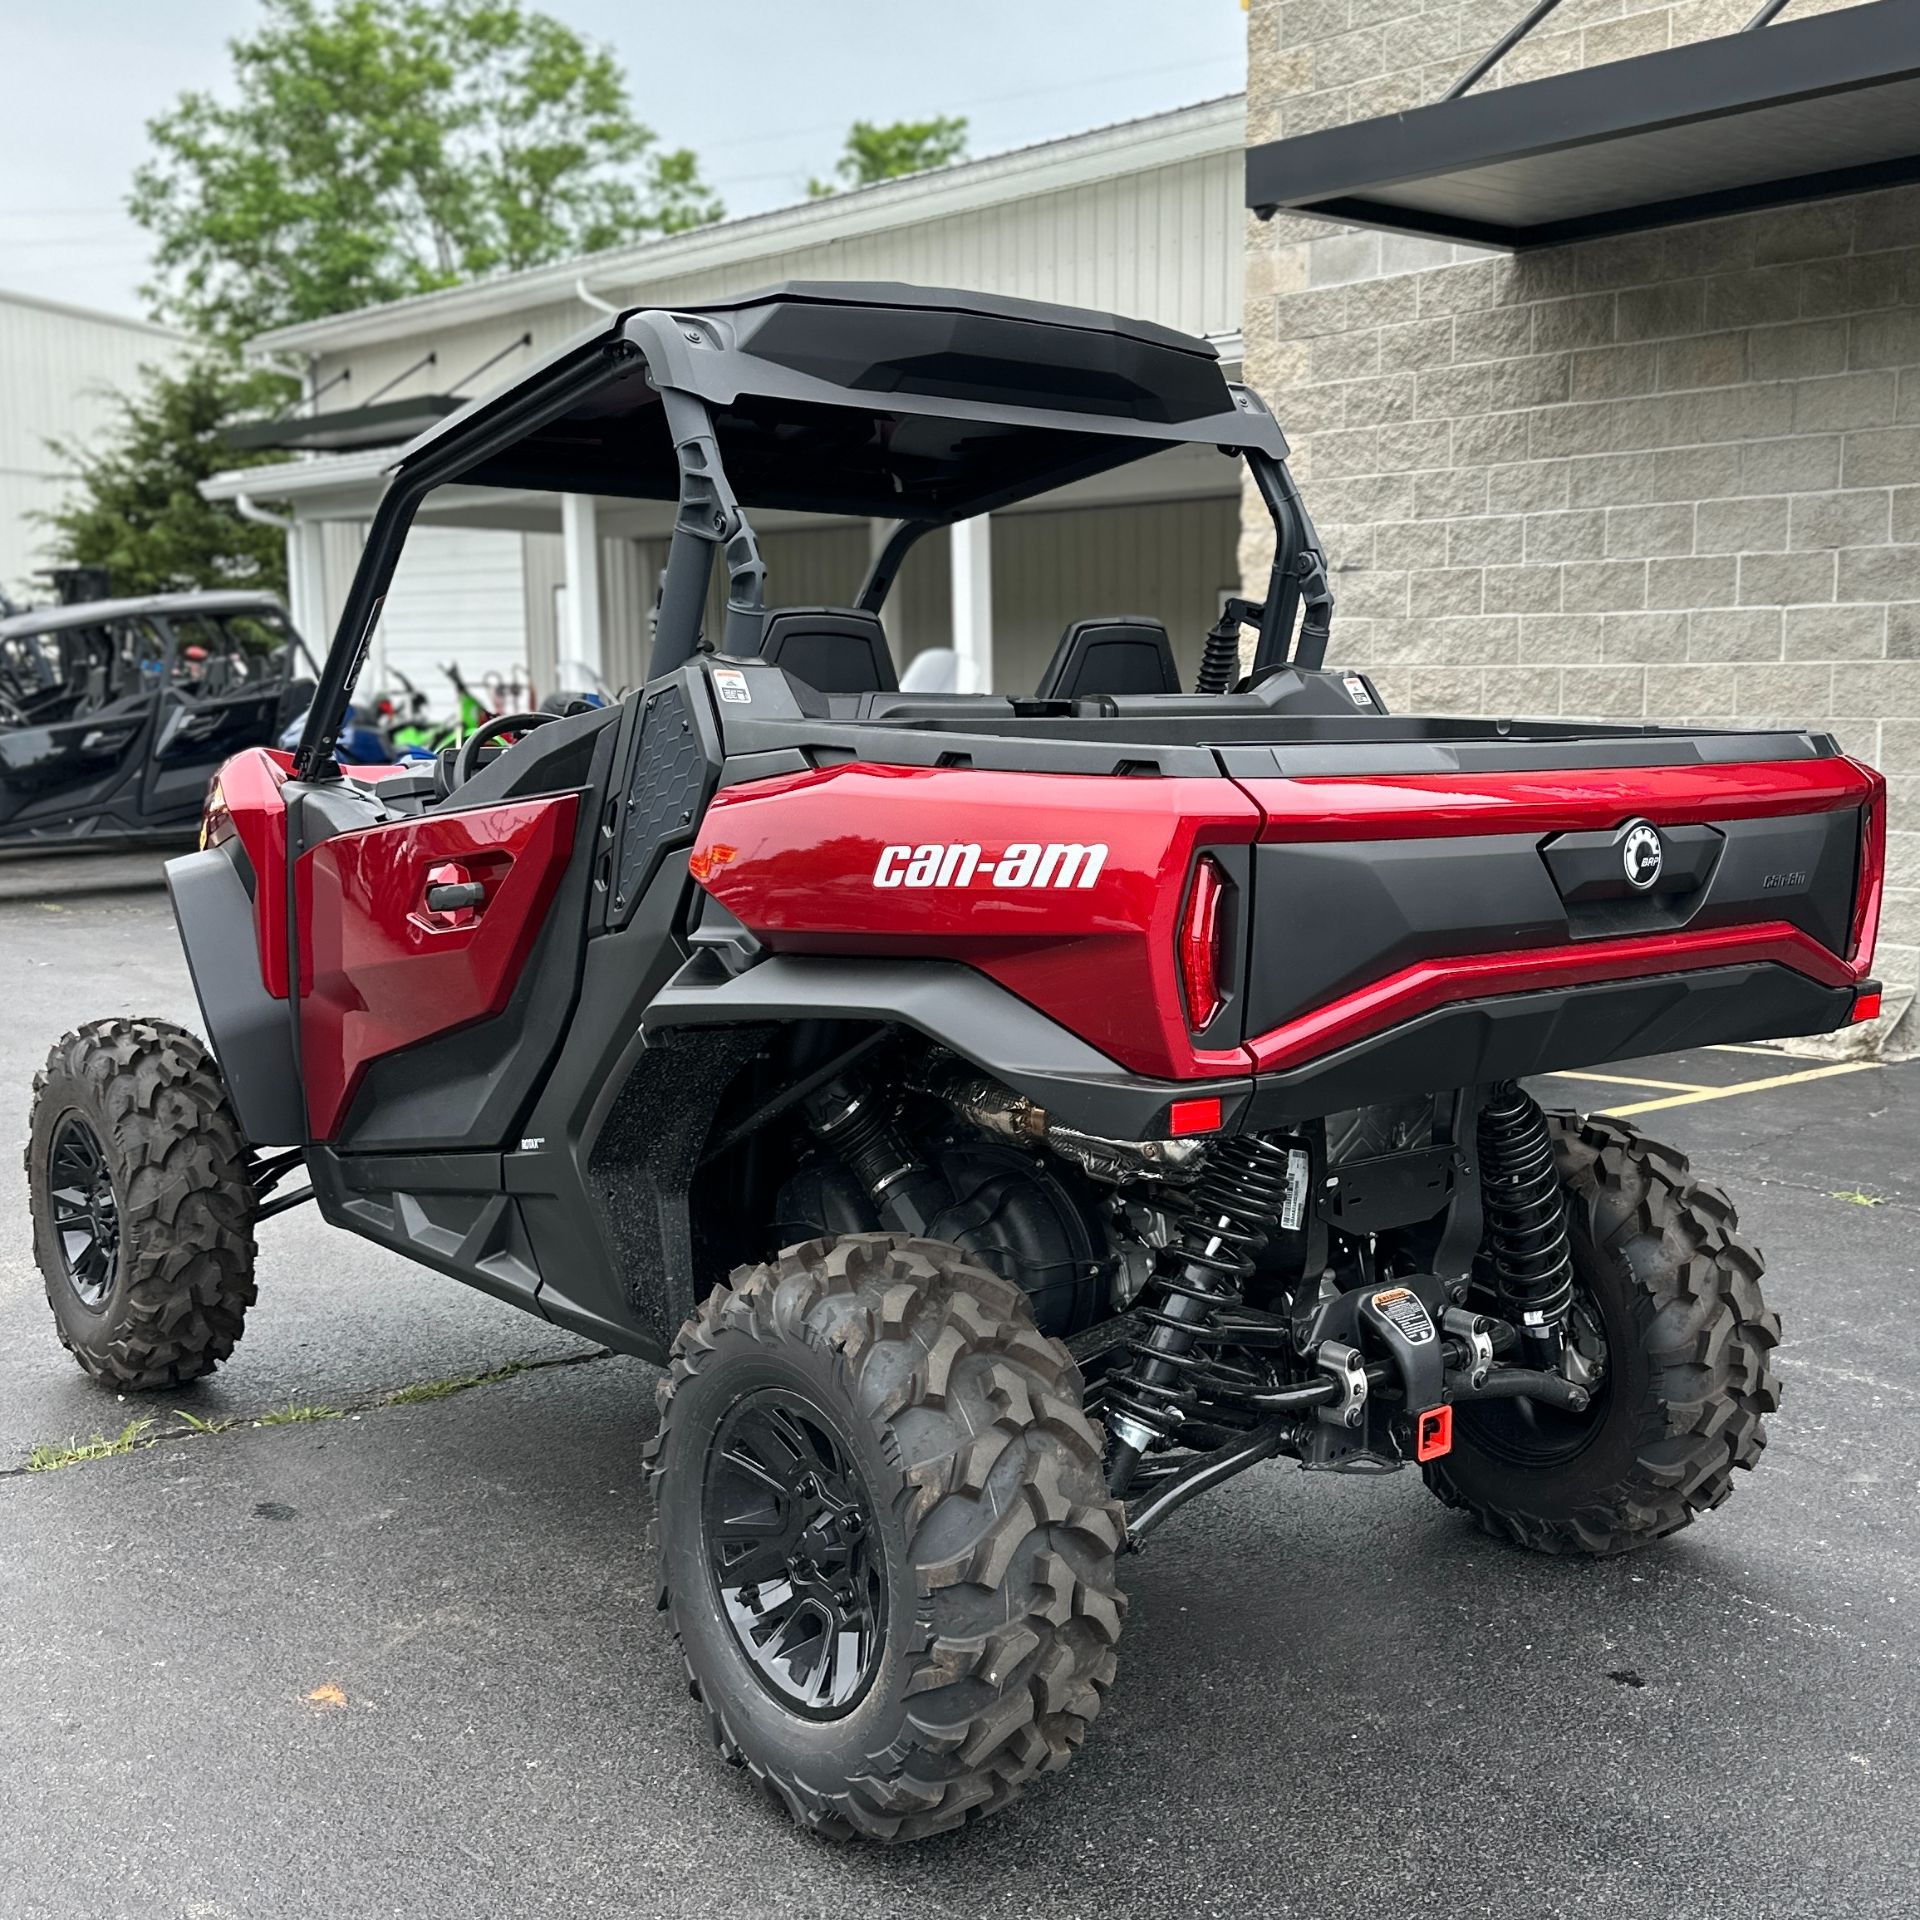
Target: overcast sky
x=762, y=90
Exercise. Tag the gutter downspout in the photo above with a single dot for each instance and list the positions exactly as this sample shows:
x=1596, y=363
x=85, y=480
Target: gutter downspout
x=588, y=298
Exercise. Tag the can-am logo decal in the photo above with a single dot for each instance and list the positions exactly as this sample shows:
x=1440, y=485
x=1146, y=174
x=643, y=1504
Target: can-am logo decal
x=1026, y=863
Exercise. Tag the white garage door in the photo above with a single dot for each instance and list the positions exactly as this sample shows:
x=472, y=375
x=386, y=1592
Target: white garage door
x=457, y=595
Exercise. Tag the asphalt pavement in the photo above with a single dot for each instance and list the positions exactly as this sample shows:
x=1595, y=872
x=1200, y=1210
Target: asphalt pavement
x=406, y=1661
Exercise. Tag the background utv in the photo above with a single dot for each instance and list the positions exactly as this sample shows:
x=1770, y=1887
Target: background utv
x=1007, y=1116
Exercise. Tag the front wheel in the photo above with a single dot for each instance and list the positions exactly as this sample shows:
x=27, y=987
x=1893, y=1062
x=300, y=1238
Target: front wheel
x=142, y=1208
x=886, y=1547
x=1667, y=1302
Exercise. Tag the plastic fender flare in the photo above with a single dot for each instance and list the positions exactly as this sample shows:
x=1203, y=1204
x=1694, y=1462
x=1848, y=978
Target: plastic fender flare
x=959, y=1008
x=251, y=1032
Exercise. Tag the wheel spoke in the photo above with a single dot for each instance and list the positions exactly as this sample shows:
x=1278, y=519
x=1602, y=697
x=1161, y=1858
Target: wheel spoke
x=748, y=1555
x=744, y=1463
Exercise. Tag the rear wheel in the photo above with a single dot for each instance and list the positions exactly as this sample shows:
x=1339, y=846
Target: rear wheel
x=142, y=1208
x=1667, y=1302
x=886, y=1546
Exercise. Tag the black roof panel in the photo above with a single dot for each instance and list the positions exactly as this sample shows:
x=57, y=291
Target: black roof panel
x=871, y=399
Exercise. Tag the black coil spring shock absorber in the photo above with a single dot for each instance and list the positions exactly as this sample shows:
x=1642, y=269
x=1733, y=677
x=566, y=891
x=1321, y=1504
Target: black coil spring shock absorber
x=1220, y=663
x=1228, y=1216
x=1526, y=1213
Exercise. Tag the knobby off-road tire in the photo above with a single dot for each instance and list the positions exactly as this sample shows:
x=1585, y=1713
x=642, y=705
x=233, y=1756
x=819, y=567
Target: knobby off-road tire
x=1689, y=1382
x=143, y=1102
x=993, y=1535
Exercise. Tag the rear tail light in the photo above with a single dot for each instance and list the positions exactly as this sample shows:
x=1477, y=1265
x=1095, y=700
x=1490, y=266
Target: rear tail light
x=1202, y=932
x=1866, y=1004
x=1872, y=874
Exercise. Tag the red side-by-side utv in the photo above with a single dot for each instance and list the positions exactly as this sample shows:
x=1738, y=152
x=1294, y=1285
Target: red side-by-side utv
x=1006, y=1116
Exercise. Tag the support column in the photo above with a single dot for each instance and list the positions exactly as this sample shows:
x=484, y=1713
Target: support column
x=580, y=543
x=971, y=559
x=307, y=585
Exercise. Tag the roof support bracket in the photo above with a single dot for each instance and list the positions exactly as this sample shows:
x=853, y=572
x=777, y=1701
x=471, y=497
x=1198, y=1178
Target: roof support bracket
x=710, y=511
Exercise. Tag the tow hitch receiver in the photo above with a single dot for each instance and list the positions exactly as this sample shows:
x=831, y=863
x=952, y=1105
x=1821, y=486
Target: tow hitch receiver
x=1432, y=1433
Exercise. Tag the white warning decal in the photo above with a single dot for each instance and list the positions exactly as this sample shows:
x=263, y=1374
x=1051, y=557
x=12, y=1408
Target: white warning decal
x=731, y=685
x=1293, y=1203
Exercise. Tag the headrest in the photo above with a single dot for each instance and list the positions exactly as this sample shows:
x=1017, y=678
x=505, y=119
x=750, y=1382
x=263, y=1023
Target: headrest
x=1123, y=653
x=832, y=649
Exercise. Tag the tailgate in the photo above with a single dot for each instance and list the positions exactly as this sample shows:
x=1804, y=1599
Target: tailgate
x=1380, y=896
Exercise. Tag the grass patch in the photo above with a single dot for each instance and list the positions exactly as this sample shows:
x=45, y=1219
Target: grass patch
x=194, y=1424
x=292, y=1414
x=444, y=1389
x=49, y=1458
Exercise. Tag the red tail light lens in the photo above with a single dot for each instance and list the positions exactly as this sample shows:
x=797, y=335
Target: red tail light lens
x=1873, y=873
x=1202, y=928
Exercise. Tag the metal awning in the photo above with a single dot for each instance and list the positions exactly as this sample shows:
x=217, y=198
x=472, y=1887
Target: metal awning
x=1783, y=113
x=387, y=423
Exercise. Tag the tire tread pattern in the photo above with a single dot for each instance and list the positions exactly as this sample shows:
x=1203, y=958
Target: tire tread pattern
x=1012, y=1649
x=1707, y=1333
x=186, y=1219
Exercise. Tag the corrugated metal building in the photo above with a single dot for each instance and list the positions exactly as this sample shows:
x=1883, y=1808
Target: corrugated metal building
x=1143, y=219
x=59, y=368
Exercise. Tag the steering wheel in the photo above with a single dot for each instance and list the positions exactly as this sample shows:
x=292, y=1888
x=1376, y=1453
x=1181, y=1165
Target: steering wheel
x=467, y=762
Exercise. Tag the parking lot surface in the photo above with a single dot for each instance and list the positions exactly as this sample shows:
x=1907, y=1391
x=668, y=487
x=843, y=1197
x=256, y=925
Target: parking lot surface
x=406, y=1661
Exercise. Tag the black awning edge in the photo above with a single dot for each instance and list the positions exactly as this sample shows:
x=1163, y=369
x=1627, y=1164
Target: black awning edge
x=1425, y=171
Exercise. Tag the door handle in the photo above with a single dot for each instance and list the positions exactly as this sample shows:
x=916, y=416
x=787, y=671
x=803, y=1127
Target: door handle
x=450, y=896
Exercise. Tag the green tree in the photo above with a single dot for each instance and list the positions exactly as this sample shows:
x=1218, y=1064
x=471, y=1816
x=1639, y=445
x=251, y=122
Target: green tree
x=373, y=149
x=134, y=504
x=874, y=153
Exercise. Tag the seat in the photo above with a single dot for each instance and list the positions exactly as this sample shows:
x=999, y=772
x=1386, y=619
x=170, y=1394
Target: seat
x=1122, y=653
x=831, y=649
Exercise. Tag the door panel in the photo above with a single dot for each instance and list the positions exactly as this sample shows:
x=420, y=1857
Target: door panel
x=193, y=737
x=382, y=968
x=72, y=766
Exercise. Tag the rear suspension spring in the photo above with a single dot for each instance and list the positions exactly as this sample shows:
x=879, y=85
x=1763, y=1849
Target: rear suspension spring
x=1527, y=1242
x=1229, y=1214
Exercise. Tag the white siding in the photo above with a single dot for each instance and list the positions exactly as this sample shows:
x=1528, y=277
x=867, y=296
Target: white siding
x=457, y=596
x=1169, y=561
x=1161, y=244
x=59, y=369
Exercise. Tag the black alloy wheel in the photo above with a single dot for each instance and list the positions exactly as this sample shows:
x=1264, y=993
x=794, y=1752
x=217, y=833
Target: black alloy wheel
x=86, y=1213
x=1526, y=1433
x=798, y=1566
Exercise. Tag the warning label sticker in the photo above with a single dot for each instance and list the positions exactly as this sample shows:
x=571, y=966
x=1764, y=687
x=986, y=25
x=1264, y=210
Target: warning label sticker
x=1406, y=1313
x=1357, y=691
x=731, y=685
x=1293, y=1202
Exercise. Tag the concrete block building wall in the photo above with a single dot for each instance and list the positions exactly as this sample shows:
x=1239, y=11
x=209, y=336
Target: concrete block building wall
x=1666, y=477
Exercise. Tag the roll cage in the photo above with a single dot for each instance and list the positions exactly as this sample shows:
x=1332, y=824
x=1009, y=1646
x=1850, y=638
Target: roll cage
x=61, y=662
x=917, y=405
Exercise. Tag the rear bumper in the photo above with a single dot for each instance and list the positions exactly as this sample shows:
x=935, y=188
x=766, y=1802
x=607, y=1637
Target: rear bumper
x=1507, y=1036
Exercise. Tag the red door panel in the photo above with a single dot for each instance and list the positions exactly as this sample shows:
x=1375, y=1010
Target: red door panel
x=381, y=970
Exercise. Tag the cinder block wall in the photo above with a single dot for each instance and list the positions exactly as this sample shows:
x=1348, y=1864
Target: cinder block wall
x=1672, y=477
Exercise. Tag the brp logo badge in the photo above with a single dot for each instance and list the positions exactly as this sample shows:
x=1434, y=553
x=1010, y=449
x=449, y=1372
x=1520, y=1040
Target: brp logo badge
x=1641, y=855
